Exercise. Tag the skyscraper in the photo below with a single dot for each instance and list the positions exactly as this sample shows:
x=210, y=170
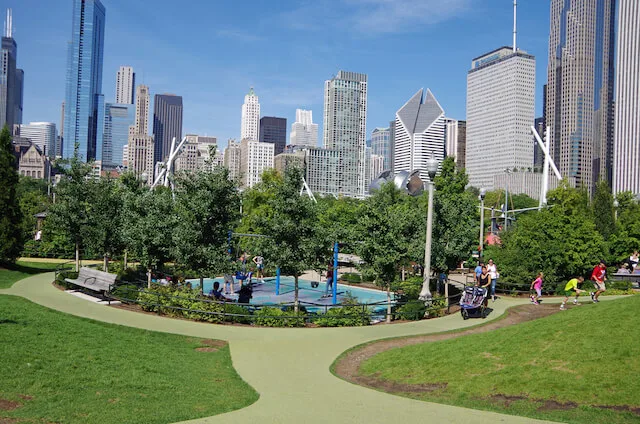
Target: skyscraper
x=580, y=88
x=255, y=158
x=626, y=166
x=274, y=130
x=125, y=85
x=42, y=134
x=232, y=159
x=250, y=117
x=167, y=123
x=420, y=134
x=345, y=130
x=118, y=119
x=500, y=112
x=84, y=79
x=304, y=132
x=381, y=146
x=11, y=79
x=140, y=151
x=143, y=99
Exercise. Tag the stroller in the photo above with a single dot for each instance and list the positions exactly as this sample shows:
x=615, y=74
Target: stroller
x=472, y=302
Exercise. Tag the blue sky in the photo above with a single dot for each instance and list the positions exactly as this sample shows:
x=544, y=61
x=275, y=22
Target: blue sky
x=211, y=51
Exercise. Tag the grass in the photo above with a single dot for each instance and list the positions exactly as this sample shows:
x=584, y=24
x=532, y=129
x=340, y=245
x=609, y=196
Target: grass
x=11, y=273
x=60, y=368
x=578, y=366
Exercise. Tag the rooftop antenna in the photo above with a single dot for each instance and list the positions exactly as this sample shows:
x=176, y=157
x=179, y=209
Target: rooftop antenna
x=8, y=25
x=515, y=6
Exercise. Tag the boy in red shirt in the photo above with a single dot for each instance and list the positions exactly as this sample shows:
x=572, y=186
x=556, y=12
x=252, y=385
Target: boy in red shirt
x=598, y=276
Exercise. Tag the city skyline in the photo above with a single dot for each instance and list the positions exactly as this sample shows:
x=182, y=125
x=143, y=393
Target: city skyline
x=211, y=107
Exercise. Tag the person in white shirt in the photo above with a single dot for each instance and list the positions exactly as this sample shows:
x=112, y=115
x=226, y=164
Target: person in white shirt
x=493, y=272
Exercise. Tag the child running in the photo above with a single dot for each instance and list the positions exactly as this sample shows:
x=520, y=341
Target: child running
x=570, y=289
x=537, y=286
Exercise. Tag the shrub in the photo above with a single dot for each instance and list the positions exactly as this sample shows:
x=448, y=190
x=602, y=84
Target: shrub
x=350, y=314
x=60, y=278
x=230, y=308
x=126, y=293
x=180, y=302
x=351, y=277
x=276, y=317
x=413, y=310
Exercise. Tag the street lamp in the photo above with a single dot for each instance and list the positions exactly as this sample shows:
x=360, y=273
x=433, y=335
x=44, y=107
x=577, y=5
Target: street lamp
x=616, y=205
x=483, y=193
x=432, y=169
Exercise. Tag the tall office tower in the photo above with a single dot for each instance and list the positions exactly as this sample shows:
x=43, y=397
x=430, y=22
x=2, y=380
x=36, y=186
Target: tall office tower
x=392, y=142
x=304, y=132
x=420, y=134
x=500, y=112
x=456, y=140
x=118, y=118
x=84, y=80
x=626, y=165
x=345, y=129
x=274, y=130
x=141, y=146
x=207, y=146
x=42, y=135
x=580, y=88
x=60, y=138
x=167, y=123
x=232, y=159
x=187, y=159
x=125, y=85
x=11, y=79
x=461, y=156
x=538, y=154
x=250, y=117
x=255, y=158
x=381, y=146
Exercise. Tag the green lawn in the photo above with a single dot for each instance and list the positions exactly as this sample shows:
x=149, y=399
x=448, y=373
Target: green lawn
x=22, y=269
x=65, y=369
x=577, y=366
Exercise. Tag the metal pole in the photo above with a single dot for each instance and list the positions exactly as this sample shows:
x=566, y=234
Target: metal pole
x=277, y=281
x=425, y=294
x=334, y=286
x=481, y=245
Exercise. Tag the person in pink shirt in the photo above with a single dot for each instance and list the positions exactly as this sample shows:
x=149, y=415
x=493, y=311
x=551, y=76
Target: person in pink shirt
x=537, y=286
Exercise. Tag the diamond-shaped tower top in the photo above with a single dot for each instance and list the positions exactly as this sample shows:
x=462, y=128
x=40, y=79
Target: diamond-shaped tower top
x=251, y=92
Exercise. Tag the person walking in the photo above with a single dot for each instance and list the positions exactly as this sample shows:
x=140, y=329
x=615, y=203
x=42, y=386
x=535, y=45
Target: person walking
x=570, y=289
x=598, y=276
x=484, y=281
x=537, y=286
x=493, y=272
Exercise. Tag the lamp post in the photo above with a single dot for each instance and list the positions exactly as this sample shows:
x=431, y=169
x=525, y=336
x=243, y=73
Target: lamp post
x=483, y=193
x=616, y=205
x=432, y=169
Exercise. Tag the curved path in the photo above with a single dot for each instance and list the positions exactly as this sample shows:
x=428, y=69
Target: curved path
x=290, y=367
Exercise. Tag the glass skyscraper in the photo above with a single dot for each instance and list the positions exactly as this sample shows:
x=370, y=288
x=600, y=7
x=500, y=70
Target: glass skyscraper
x=117, y=120
x=274, y=130
x=167, y=124
x=84, y=102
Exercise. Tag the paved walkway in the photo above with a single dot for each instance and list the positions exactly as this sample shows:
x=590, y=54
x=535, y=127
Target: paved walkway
x=290, y=367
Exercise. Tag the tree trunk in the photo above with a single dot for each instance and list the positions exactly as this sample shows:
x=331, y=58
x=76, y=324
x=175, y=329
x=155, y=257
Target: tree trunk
x=201, y=285
x=77, y=257
x=105, y=264
x=124, y=264
x=389, y=302
x=149, y=278
x=403, y=273
x=295, y=296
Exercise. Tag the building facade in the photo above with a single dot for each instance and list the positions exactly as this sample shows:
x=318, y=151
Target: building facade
x=381, y=146
x=274, y=130
x=304, y=132
x=83, y=100
x=284, y=161
x=232, y=159
x=33, y=163
x=167, y=124
x=255, y=158
x=250, y=126
x=419, y=134
x=125, y=85
x=140, y=150
x=11, y=79
x=456, y=140
x=118, y=118
x=500, y=112
x=42, y=135
x=626, y=165
x=345, y=130
x=580, y=78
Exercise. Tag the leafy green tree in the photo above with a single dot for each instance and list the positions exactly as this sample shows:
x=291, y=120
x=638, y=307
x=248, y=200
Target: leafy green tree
x=603, y=213
x=626, y=238
x=207, y=206
x=149, y=222
x=69, y=215
x=339, y=217
x=11, y=237
x=33, y=200
x=291, y=229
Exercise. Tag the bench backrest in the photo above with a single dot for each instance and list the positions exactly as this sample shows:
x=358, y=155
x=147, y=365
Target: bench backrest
x=97, y=278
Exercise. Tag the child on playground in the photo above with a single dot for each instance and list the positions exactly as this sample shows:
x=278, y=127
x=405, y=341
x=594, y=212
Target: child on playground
x=537, y=286
x=570, y=289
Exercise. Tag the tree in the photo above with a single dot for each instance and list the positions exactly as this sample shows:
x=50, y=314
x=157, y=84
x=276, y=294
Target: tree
x=603, y=213
x=207, y=206
x=11, y=237
x=149, y=224
x=69, y=214
x=291, y=229
x=33, y=199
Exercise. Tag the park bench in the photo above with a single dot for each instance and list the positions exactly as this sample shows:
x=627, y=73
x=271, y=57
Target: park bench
x=634, y=278
x=94, y=280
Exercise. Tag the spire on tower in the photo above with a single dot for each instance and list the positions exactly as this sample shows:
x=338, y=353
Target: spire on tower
x=515, y=6
x=8, y=25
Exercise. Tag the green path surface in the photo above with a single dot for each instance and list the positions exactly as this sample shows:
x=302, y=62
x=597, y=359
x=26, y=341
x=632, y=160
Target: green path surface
x=290, y=367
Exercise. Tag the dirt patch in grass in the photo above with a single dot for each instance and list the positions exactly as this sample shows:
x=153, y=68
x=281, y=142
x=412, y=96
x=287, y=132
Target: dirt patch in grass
x=554, y=405
x=348, y=366
x=621, y=408
x=506, y=400
x=9, y=405
x=211, y=345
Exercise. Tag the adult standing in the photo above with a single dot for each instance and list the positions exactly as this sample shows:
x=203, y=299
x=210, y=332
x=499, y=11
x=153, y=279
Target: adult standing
x=259, y=261
x=598, y=276
x=493, y=272
x=484, y=280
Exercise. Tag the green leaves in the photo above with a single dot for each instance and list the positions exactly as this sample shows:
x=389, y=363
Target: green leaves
x=11, y=238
